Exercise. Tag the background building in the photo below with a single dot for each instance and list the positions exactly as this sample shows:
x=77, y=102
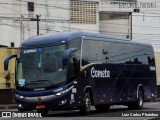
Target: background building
x=132, y=19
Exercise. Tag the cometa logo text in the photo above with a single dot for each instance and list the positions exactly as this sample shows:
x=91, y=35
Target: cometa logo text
x=100, y=73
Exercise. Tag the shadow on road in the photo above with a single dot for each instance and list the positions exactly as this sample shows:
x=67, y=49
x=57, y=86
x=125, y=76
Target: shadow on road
x=111, y=113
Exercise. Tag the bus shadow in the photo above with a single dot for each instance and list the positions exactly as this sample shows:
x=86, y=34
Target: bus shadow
x=116, y=112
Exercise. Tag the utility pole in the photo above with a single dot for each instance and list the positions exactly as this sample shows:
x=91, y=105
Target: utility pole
x=38, y=24
x=130, y=14
x=37, y=19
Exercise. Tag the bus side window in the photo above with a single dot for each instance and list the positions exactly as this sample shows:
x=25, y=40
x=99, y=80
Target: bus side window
x=71, y=68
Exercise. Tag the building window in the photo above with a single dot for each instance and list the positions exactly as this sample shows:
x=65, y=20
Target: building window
x=83, y=12
x=31, y=6
x=12, y=44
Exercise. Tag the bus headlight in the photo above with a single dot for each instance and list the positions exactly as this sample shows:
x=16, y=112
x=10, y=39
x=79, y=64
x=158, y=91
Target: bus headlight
x=20, y=106
x=62, y=102
x=19, y=96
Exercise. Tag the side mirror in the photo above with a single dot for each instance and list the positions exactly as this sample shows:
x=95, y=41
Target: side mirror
x=66, y=55
x=6, y=61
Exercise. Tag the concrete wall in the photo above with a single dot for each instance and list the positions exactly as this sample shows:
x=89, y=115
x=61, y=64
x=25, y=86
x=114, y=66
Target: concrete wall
x=118, y=28
x=85, y=27
x=54, y=14
x=16, y=24
x=146, y=28
x=9, y=33
x=145, y=24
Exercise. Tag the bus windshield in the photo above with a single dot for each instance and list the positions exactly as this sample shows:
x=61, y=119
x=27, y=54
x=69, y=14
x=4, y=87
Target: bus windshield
x=41, y=67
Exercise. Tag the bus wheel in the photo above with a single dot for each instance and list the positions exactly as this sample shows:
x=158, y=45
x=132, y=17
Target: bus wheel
x=85, y=109
x=102, y=108
x=139, y=103
x=43, y=112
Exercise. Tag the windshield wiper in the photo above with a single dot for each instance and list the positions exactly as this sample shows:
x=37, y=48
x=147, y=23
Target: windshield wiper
x=34, y=81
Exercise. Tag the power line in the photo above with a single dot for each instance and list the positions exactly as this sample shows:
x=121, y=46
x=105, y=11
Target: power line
x=125, y=33
x=107, y=23
x=47, y=5
x=120, y=24
x=111, y=32
x=66, y=27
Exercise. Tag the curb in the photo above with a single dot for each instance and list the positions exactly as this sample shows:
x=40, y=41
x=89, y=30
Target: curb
x=156, y=100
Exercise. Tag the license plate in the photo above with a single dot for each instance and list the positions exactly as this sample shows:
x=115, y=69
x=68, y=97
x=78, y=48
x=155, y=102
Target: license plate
x=40, y=106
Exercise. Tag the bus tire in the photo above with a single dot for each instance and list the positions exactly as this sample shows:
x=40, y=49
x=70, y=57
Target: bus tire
x=43, y=112
x=86, y=108
x=102, y=108
x=21, y=110
x=139, y=103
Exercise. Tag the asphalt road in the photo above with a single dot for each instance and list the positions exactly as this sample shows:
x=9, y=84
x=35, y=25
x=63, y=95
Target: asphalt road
x=150, y=111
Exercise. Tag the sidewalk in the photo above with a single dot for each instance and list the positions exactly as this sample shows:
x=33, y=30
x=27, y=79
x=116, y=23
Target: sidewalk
x=8, y=106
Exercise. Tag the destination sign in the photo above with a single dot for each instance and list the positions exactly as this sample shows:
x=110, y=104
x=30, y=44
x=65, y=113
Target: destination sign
x=30, y=51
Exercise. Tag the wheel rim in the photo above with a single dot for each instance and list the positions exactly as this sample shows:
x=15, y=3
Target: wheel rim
x=140, y=100
x=88, y=103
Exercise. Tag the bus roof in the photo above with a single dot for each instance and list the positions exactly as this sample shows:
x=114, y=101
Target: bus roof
x=62, y=37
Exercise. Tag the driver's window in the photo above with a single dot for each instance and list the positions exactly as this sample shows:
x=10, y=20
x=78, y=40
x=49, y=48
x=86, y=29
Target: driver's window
x=20, y=71
x=71, y=67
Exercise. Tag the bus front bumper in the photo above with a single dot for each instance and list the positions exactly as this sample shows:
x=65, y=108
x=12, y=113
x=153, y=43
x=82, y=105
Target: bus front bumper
x=63, y=102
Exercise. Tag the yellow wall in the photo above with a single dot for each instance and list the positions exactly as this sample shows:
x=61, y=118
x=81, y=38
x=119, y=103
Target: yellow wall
x=157, y=58
x=4, y=52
